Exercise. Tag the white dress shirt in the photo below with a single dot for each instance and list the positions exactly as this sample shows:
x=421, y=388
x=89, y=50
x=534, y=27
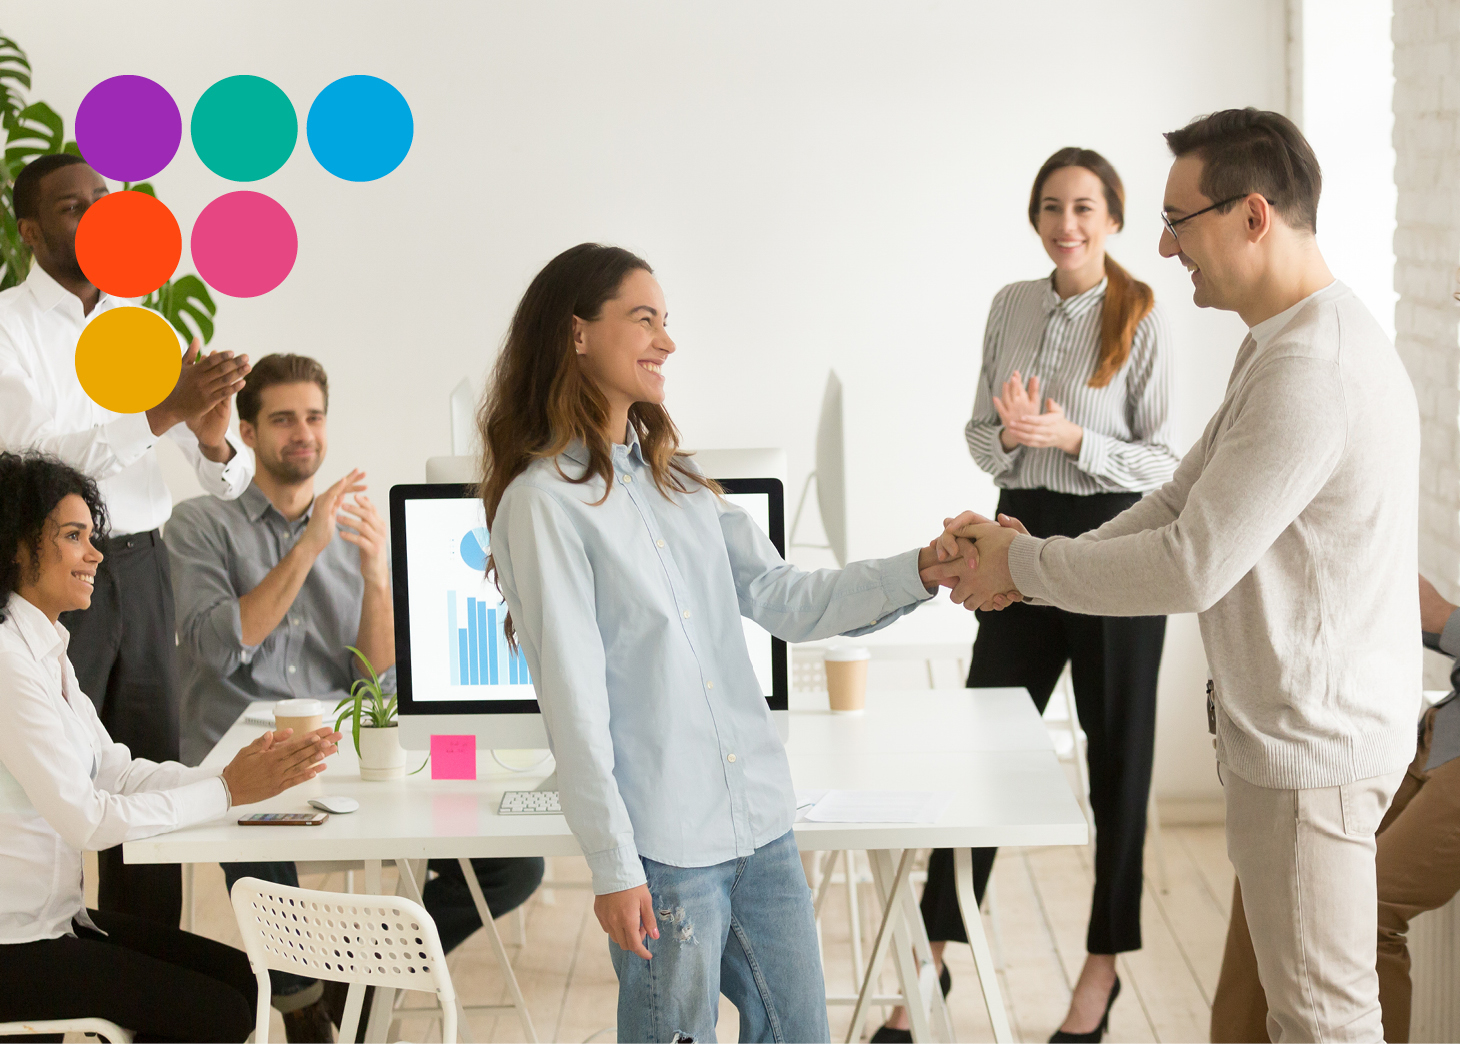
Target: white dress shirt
x=65, y=787
x=44, y=407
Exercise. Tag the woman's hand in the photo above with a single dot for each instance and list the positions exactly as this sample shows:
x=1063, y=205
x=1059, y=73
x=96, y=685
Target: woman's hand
x=276, y=761
x=1016, y=403
x=627, y=917
x=1050, y=428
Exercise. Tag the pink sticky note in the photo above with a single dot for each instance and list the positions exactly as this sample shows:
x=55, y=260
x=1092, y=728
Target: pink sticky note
x=453, y=757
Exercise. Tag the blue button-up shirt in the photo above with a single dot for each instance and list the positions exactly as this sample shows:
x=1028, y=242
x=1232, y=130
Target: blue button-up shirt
x=629, y=614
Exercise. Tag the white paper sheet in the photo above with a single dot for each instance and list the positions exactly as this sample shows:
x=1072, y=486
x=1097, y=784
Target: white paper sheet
x=877, y=806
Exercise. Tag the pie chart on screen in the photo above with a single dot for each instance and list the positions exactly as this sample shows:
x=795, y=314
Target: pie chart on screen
x=474, y=547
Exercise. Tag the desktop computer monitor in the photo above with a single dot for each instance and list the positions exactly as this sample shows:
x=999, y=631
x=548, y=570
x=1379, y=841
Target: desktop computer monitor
x=455, y=672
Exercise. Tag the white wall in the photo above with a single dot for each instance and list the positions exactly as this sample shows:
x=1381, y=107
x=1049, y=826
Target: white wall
x=818, y=184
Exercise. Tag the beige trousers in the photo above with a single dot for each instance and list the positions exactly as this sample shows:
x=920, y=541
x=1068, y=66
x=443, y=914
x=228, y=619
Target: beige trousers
x=1305, y=862
x=1417, y=869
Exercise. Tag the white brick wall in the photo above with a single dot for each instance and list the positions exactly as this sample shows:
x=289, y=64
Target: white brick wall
x=1427, y=253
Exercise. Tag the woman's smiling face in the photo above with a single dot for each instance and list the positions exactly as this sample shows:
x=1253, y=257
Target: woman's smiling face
x=623, y=350
x=60, y=577
x=1074, y=218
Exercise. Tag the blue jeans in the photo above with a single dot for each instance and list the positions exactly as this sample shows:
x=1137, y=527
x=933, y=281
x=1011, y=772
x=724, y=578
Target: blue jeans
x=745, y=928
x=506, y=885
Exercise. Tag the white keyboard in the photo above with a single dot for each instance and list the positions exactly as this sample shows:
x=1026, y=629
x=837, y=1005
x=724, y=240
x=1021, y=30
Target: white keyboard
x=530, y=803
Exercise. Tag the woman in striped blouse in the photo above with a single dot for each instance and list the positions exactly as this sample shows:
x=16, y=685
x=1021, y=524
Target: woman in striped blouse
x=1070, y=418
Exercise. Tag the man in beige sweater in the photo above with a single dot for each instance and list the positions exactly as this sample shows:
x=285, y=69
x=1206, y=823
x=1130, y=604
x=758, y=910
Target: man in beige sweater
x=1291, y=529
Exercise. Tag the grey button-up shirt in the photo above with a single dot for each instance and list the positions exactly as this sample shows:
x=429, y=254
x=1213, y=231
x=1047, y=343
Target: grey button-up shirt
x=628, y=608
x=223, y=549
x=1445, y=743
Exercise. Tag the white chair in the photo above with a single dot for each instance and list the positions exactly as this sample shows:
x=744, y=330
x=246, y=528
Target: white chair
x=388, y=942
x=109, y=1031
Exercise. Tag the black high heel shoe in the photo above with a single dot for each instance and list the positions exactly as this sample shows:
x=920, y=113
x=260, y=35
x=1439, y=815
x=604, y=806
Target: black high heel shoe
x=887, y=1035
x=1098, y=1033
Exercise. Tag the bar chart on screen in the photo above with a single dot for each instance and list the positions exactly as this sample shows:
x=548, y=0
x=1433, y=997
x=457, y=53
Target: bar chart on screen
x=478, y=652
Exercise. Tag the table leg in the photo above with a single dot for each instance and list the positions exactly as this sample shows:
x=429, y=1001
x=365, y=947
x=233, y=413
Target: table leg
x=490, y=927
x=983, y=960
x=913, y=960
x=890, y=913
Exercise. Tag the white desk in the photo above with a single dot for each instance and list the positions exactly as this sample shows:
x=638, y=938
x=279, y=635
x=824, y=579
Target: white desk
x=987, y=747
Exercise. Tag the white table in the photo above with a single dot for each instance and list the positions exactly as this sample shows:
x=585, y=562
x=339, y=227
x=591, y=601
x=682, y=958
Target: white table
x=987, y=747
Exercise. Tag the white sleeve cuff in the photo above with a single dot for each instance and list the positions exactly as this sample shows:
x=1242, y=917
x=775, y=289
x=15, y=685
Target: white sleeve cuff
x=616, y=869
x=130, y=436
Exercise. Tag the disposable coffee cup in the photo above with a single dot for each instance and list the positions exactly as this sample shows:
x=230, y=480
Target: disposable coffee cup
x=846, y=678
x=300, y=715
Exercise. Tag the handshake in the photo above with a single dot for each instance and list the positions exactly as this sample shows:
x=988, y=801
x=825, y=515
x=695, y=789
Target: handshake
x=971, y=556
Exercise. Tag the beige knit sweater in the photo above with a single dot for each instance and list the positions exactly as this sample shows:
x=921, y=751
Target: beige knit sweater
x=1291, y=528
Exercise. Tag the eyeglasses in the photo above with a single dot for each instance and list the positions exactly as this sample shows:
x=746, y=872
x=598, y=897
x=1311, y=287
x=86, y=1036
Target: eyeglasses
x=1171, y=225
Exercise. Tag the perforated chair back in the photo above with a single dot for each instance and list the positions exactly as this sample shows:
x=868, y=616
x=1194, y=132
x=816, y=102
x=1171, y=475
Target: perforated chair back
x=365, y=940
x=108, y=1031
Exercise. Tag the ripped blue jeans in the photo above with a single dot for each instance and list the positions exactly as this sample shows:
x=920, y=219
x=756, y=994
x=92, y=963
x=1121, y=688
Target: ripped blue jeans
x=744, y=928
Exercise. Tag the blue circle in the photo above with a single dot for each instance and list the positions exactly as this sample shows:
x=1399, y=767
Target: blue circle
x=360, y=128
x=474, y=548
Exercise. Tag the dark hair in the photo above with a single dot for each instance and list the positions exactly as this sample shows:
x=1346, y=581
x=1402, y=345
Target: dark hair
x=1127, y=299
x=1248, y=150
x=279, y=369
x=539, y=399
x=27, y=189
x=31, y=485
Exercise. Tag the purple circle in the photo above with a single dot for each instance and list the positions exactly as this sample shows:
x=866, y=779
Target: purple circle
x=128, y=128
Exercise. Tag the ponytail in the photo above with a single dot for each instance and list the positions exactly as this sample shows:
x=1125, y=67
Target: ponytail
x=1127, y=302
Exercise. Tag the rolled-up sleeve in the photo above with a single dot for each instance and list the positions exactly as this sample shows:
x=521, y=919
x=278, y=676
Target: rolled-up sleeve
x=800, y=606
x=548, y=584
x=208, y=618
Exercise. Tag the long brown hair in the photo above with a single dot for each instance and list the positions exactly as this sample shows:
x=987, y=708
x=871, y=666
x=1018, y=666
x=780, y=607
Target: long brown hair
x=539, y=399
x=1127, y=299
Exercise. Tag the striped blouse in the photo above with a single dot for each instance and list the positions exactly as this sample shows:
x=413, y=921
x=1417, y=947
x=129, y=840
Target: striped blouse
x=1127, y=442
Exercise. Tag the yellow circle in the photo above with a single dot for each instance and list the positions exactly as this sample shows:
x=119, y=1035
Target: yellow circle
x=128, y=359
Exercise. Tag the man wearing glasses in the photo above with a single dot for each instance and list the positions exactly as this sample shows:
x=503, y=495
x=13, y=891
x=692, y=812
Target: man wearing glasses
x=1291, y=528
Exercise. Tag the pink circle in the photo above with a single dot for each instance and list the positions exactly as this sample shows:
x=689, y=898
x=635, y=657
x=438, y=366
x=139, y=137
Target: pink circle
x=244, y=244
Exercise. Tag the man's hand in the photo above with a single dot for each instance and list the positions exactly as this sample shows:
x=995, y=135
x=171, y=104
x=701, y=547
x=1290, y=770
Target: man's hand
x=949, y=572
x=203, y=383
x=277, y=761
x=1050, y=428
x=627, y=917
x=1434, y=611
x=321, y=528
x=1016, y=403
x=363, y=527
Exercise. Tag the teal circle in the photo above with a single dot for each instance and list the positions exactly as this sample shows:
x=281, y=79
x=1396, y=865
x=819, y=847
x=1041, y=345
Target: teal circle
x=244, y=128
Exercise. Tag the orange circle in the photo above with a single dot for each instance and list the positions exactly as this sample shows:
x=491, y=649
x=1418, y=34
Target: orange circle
x=128, y=244
x=128, y=359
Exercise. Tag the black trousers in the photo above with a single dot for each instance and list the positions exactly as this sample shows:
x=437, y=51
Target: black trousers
x=1114, y=663
x=159, y=982
x=124, y=649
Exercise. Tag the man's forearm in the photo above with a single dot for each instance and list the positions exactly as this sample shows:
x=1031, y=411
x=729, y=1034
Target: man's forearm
x=262, y=608
x=376, y=638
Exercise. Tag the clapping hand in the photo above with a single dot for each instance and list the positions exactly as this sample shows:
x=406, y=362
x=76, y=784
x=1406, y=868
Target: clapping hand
x=362, y=526
x=277, y=761
x=1024, y=425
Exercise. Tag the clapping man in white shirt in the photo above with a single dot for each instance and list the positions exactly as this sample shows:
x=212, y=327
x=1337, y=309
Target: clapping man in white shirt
x=123, y=646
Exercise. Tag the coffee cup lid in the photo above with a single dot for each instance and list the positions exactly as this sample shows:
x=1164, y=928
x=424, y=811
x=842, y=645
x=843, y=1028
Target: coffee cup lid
x=848, y=653
x=298, y=708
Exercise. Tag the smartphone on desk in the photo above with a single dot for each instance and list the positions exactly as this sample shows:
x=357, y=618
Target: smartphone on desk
x=284, y=819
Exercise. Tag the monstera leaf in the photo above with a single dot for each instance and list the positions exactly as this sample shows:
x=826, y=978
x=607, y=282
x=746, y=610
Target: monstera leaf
x=186, y=304
x=14, y=76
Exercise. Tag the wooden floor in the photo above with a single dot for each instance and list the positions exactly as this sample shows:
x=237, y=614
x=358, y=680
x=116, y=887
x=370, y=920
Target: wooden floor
x=1041, y=901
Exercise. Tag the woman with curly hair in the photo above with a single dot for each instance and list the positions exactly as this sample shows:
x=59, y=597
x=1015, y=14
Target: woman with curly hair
x=67, y=788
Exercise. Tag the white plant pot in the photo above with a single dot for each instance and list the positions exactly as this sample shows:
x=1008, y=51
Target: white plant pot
x=381, y=755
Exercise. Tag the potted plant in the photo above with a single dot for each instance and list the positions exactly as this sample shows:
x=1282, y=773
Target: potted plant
x=371, y=713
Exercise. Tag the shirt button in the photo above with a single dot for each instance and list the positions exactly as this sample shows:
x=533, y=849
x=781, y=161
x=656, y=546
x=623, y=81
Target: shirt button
x=628, y=478
x=731, y=758
x=709, y=685
x=291, y=668
x=659, y=543
x=686, y=614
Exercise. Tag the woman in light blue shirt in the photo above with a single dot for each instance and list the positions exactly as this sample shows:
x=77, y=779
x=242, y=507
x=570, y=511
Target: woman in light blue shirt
x=626, y=575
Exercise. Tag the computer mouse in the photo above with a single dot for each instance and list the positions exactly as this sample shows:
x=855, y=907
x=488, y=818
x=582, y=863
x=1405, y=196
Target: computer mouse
x=337, y=805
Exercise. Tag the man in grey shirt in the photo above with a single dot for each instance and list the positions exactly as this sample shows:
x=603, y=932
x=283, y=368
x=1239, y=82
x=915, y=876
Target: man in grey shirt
x=270, y=590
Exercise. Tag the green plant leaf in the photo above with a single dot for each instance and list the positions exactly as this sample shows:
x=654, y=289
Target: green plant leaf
x=14, y=76
x=144, y=187
x=423, y=764
x=35, y=130
x=186, y=304
x=374, y=678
